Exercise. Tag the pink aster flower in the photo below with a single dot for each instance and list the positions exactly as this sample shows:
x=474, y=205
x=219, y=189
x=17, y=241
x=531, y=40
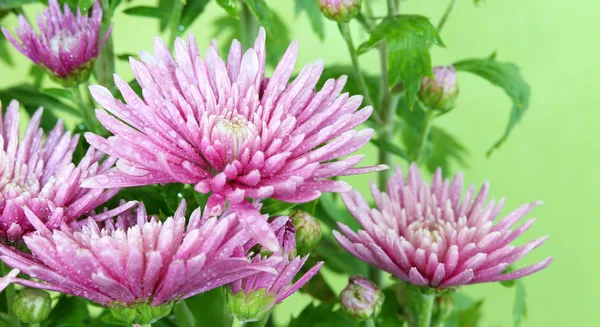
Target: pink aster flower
x=66, y=45
x=250, y=298
x=38, y=173
x=136, y=260
x=425, y=235
x=227, y=128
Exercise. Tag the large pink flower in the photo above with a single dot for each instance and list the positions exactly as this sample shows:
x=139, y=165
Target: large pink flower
x=228, y=129
x=426, y=235
x=39, y=174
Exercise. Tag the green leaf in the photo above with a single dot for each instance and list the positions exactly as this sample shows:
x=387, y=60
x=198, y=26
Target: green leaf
x=85, y=5
x=37, y=74
x=519, y=308
x=351, y=86
x=445, y=150
x=468, y=312
x=506, y=76
x=338, y=259
x=230, y=7
x=277, y=32
x=183, y=315
x=390, y=148
x=323, y=315
x=4, y=51
x=274, y=207
x=147, y=11
x=209, y=309
x=314, y=14
x=70, y=311
x=58, y=93
x=10, y=4
x=317, y=287
x=125, y=56
x=392, y=312
x=408, y=38
x=104, y=67
x=191, y=11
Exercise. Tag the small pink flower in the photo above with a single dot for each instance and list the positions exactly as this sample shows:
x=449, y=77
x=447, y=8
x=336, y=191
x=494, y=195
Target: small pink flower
x=66, y=46
x=425, y=235
x=38, y=173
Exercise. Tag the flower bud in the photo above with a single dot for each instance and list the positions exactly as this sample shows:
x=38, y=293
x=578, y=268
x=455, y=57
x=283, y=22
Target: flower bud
x=308, y=231
x=361, y=299
x=248, y=306
x=440, y=91
x=342, y=11
x=141, y=313
x=32, y=305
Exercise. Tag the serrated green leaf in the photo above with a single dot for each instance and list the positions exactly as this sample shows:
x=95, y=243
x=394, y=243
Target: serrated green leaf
x=408, y=38
x=506, y=76
x=209, y=309
x=191, y=12
x=146, y=11
x=519, y=308
x=390, y=148
x=323, y=315
x=10, y=4
x=230, y=7
x=314, y=15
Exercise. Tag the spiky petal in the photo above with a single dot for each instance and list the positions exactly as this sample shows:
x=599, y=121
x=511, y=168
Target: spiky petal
x=67, y=44
x=137, y=259
x=38, y=173
x=426, y=235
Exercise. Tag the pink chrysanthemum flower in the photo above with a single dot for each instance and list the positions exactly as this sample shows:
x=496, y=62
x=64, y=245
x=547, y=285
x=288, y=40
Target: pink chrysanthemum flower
x=136, y=260
x=66, y=46
x=40, y=175
x=426, y=235
x=228, y=129
x=250, y=298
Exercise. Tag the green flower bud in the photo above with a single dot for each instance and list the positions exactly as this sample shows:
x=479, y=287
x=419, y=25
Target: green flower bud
x=439, y=92
x=249, y=306
x=361, y=299
x=308, y=231
x=32, y=305
x=141, y=313
x=342, y=11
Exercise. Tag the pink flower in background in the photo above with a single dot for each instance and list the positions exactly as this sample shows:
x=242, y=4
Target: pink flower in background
x=136, y=259
x=66, y=45
x=426, y=235
x=228, y=129
x=38, y=173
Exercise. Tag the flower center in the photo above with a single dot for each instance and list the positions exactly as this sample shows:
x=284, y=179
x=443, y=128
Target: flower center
x=233, y=133
x=63, y=40
x=432, y=229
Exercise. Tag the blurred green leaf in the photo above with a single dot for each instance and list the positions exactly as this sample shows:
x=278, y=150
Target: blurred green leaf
x=183, y=315
x=392, y=313
x=519, y=308
x=278, y=38
x=58, y=93
x=157, y=199
x=230, y=7
x=467, y=313
x=338, y=259
x=4, y=50
x=191, y=11
x=10, y=4
x=330, y=211
x=314, y=15
x=209, y=309
x=390, y=148
x=506, y=76
x=274, y=207
x=317, y=287
x=146, y=11
x=323, y=315
x=445, y=149
x=85, y=5
x=37, y=74
x=352, y=86
x=408, y=38
x=125, y=56
x=70, y=311
x=167, y=7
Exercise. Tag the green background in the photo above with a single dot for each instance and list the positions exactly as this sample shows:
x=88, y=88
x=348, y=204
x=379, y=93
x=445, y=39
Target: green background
x=550, y=156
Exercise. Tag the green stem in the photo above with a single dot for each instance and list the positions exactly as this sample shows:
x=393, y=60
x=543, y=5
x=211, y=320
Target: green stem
x=175, y=22
x=10, y=297
x=369, y=323
x=237, y=323
x=446, y=15
x=345, y=30
x=87, y=111
x=248, y=26
x=426, y=129
x=420, y=307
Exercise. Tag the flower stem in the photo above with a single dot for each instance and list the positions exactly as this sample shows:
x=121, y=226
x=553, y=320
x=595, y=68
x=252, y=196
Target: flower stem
x=10, y=297
x=446, y=15
x=237, y=323
x=87, y=111
x=248, y=26
x=426, y=129
x=345, y=30
x=420, y=306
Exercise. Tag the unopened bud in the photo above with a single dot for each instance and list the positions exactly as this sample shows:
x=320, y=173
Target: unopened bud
x=361, y=299
x=32, y=305
x=248, y=306
x=342, y=11
x=308, y=231
x=141, y=313
x=440, y=91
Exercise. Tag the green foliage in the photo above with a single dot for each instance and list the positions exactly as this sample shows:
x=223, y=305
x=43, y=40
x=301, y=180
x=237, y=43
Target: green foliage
x=314, y=15
x=276, y=208
x=278, y=38
x=323, y=315
x=85, y=5
x=4, y=51
x=10, y=4
x=70, y=311
x=445, y=149
x=506, y=76
x=183, y=315
x=390, y=148
x=408, y=38
x=192, y=10
x=209, y=309
x=467, y=312
x=146, y=11
x=230, y=7
x=392, y=313
x=519, y=308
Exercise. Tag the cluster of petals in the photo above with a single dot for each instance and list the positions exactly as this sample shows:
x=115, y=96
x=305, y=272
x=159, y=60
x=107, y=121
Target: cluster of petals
x=427, y=235
x=65, y=43
x=135, y=258
x=37, y=172
x=228, y=129
x=279, y=286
